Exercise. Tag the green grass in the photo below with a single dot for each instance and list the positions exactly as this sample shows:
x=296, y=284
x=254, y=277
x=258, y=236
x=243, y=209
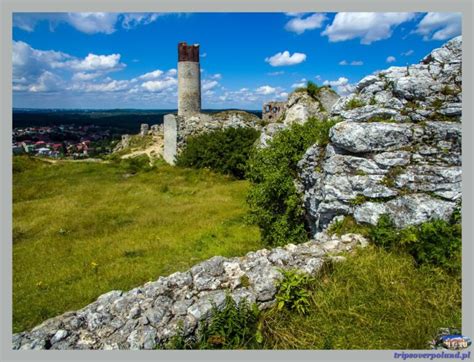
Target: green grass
x=83, y=229
x=373, y=300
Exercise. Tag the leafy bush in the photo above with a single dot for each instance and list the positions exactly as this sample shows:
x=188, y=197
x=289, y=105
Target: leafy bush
x=274, y=201
x=354, y=103
x=136, y=164
x=224, y=151
x=435, y=242
x=234, y=326
x=292, y=291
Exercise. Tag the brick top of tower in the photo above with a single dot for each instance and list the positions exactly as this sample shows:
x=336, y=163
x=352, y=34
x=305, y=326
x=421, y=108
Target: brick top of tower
x=188, y=53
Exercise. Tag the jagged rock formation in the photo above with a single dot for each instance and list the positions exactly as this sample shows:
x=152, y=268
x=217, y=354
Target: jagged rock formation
x=149, y=315
x=299, y=108
x=397, y=149
x=301, y=105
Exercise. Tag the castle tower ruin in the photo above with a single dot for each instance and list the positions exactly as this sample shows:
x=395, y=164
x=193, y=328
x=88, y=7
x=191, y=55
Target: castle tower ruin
x=189, y=79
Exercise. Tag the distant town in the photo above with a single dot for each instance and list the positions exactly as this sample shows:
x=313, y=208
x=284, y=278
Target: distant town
x=64, y=141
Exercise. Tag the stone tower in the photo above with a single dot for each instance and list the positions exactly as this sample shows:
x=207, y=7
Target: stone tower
x=189, y=80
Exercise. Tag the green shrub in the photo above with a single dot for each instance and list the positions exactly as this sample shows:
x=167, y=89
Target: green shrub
x=435, y=242
x=233, y=326
x=136, y=164
x=225, y=151
x=275, y=204
x=313, y=89
x=292, y=291
x=354, y=103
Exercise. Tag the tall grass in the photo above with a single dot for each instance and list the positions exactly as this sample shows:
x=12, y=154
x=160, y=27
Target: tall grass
x=374, y=300
x=82, y=229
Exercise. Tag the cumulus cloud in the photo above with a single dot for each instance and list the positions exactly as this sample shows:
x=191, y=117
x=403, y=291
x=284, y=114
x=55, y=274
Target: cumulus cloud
x=342, y=85
x=300, y=84
x=39, y=71
x=369, y=27
x=209, y=84
x=94, y=62
x=284, y=58
x=408, y=53
x=391, y=59
x=132, y=20
x=46, y=82
x=354, y=62
x=151, y=75
x=89, y=23
x=266, y=90
x=299, y=24
x=159, y=85
x=440, y=26
x=81, y=76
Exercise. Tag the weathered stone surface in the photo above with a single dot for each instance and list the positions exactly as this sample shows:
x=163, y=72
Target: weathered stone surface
x=406, y=210
x=404, y=139
x=149, y=315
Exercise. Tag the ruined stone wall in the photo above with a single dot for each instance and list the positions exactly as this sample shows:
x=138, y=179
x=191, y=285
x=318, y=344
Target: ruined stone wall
x=179, y=128
x=273, y=111
x=149, y=315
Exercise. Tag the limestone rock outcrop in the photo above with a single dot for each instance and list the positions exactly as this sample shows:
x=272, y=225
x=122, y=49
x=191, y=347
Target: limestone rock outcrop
x=299, y=108
x=397, y=149
x=149, y=315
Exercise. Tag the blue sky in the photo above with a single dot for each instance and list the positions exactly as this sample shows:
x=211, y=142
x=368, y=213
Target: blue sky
x=128, y=60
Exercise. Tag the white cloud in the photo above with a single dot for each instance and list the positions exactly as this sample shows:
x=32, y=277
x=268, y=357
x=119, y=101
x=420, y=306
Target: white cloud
x=276, y=73
x=299, y=24
x=281, y=59
x=407, y=53
x=46, y=82
x=160, y=85
x=89, y=23
x=209, y=84
x=151, y=75
x=81, y=76
x=354, y=62
x=440, y=26
x=369, y=27
x=342, y=85
x=93, y=62
x=132, y=20
x=301, y=83
x=217, y=76
x=391, y=59
x=109, y=85
x=172, y=72
x=266, y=90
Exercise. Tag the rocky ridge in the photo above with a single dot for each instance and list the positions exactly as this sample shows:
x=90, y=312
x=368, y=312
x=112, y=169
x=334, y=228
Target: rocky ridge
x=397, y=149
x=150, y=315
x=299, y=107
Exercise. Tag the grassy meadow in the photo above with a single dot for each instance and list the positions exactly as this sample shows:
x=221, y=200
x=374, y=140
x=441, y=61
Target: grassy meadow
x=82, y=229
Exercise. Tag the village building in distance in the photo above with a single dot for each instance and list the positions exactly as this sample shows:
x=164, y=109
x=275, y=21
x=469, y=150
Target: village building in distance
x=62, y=141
